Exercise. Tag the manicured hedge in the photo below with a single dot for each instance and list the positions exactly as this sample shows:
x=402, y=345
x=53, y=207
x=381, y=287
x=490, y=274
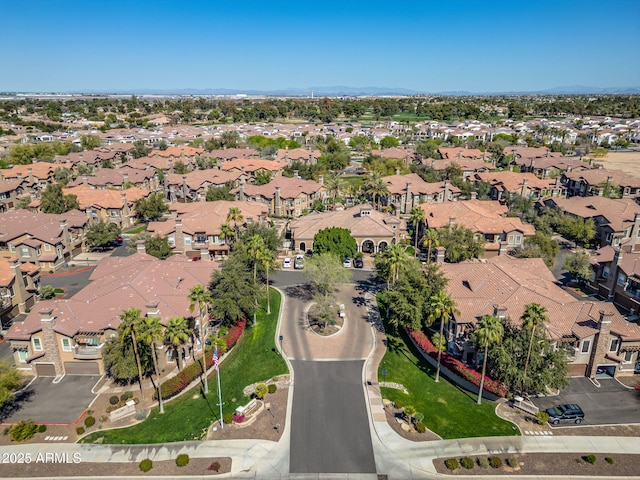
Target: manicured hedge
x=188, y=374
x=455, y=365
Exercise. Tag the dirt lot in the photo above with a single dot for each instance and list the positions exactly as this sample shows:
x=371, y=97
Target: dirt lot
x=625, y=160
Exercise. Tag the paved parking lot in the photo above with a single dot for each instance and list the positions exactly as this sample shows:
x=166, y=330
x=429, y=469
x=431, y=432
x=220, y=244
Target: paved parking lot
x=46, y=402
x=609, y=404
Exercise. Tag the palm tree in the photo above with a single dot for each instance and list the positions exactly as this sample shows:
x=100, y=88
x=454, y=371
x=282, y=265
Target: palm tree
x=130, y=322
x=235, y=216
x=255, y=246
x=375, y=187
x=417, y=219
x=200, y=296
x=227, y=233
x=177, y=333
x=490, y=331
x=534, y=315
x=396, y=258
x=430, y=240
x=441, y=306
x=269, y=262
x=333, y=183
x=151, y=332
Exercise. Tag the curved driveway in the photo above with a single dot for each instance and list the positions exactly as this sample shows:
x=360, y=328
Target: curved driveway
x=330, y=430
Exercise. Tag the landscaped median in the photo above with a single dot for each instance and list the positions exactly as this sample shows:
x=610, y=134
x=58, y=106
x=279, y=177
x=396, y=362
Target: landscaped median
x=448, y=411
x=255, y=358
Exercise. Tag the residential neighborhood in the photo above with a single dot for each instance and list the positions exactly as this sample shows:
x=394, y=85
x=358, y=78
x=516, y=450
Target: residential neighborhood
x=491, y=262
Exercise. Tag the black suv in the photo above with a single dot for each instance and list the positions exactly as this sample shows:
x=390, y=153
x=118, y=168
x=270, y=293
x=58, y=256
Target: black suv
x=358, y=263
x=565, y=412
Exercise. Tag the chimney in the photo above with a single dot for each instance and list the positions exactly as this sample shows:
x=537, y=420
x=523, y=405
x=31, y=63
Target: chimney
x=500, y=311
x=613, y=273
x=140, y=248
x=85, y=180
x=601, y=343
x=242, y=197
x=50, y=340
x=184, y=187
x=452, y=222
x=440, y=251
x=446, y=195
x=408, y=199
x=321, y=179
x=277, y=207
x=30, y=174
x=502, y=250
x=397, y=171
x=474, y=195
x=152, y=309
x=523, y=190
x=295, y=174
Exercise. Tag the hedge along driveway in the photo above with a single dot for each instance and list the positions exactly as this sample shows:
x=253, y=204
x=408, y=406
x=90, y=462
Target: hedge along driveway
x=449, y=411
x=254, y=359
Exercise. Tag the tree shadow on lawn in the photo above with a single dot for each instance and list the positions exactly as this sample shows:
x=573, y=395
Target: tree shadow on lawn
x=16, y=403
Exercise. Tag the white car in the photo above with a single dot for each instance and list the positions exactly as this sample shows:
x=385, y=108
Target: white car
x=286, y=263
x=347, y=263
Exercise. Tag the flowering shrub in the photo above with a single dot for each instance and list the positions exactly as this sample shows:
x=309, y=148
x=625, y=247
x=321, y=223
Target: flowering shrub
x=455, y=365
x=176, y=384
x=238, y=418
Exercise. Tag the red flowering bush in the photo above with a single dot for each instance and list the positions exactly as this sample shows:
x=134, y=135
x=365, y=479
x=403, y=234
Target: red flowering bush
x=188, y=374
x=238, y=418
x=455, y=365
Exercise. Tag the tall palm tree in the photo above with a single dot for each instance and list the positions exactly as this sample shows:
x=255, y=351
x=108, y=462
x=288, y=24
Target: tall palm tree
x=269, y=262
x=417, y=219
x=375, y=187
x=334, y=184
x=396, y=258
x=151, y=332
x=227, y=233
x=201, y=297
x=441, y=306
x=430, y=240
x=130, y=323
x=490, y=331
x=533, y=316
x=255, y=246
x=176, y=334
x=235, y=216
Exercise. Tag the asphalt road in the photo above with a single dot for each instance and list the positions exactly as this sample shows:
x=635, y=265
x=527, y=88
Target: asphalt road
x=329, y=424
x=609, y=404
x=71, y=283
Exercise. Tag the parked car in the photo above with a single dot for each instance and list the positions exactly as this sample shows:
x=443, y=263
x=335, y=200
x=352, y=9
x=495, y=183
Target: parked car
x=567, y=411
x=298, y=263
x=358, y=263
x=347, y=263
x=286, y=263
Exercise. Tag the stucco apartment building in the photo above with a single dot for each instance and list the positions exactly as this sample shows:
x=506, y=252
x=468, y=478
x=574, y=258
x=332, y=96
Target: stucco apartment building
x=19, y=284
x=373, y=231
x=598, y=180
x=42, y=239
x=284, y=197
x=596, y=336
x=485, y=218
x=66, y=337
x=410, y=190
x=196, y=231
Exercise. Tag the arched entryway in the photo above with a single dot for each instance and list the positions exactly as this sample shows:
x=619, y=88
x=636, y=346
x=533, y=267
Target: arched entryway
x=368, y=246
x=302, y=247
x=382, y=246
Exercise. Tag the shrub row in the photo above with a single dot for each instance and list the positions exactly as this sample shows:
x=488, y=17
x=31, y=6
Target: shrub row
x=183, y=379
x=455, y=365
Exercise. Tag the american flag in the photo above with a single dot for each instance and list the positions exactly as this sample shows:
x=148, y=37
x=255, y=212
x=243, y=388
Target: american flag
x=216, y=362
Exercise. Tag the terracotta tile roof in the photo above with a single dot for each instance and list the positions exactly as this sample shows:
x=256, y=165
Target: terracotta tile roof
x=597, y=176
x=290, y=188
x=456, y=153
x=41, y=226
x=375, y=225
x=530, y=152
x=198, y=178
x=183, y=150
x=40, y=170
x=120, y=283
x=397, y=185
x=481, y=216
x=7, y=275
x=466, y=164
x=514, y=283
x=8, y=185
x=297, y=154
x=251, y=165
x=231, y=153
x=397, y=153
x=88, y=196
x=559, y=163
x=619, y=213
x=513, y=181
x=102, y=177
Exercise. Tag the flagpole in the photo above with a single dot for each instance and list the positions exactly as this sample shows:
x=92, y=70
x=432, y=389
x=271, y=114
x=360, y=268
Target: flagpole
x=216, y=365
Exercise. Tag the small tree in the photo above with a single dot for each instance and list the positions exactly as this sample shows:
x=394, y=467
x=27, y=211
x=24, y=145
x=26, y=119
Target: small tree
x=578, y=265
x=261, y=390
x=325, y=271
x=150, y=208
x=55, y=201
x=102, y=234
x=335, y=240
x=158, y=247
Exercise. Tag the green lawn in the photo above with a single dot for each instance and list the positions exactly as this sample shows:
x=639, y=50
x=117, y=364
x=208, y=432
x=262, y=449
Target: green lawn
x=449, y=411
x=136, y=230
x=254, y=359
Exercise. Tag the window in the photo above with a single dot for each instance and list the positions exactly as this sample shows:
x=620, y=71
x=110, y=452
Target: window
x=187, y=239
x=92, y=342
x=22, y=356
x=171, y=240
x=616, y=241
x=25, y=252
x=66, y=345
x=613, y=346
x=170, y=355
x=586, y=345
x=627, y=356
x=201, y=238
x=621, y=279
x=47, y=247
x=605, y=272
x=37, y=345
x=13, y=249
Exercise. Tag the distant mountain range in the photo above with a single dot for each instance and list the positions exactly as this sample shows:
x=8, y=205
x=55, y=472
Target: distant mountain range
x=340, y=91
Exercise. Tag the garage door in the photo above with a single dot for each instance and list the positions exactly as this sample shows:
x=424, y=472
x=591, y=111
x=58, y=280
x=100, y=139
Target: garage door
x=82, y=368
x=45, y=370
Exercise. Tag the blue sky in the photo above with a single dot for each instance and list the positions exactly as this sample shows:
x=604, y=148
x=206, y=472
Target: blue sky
x=430, y=46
